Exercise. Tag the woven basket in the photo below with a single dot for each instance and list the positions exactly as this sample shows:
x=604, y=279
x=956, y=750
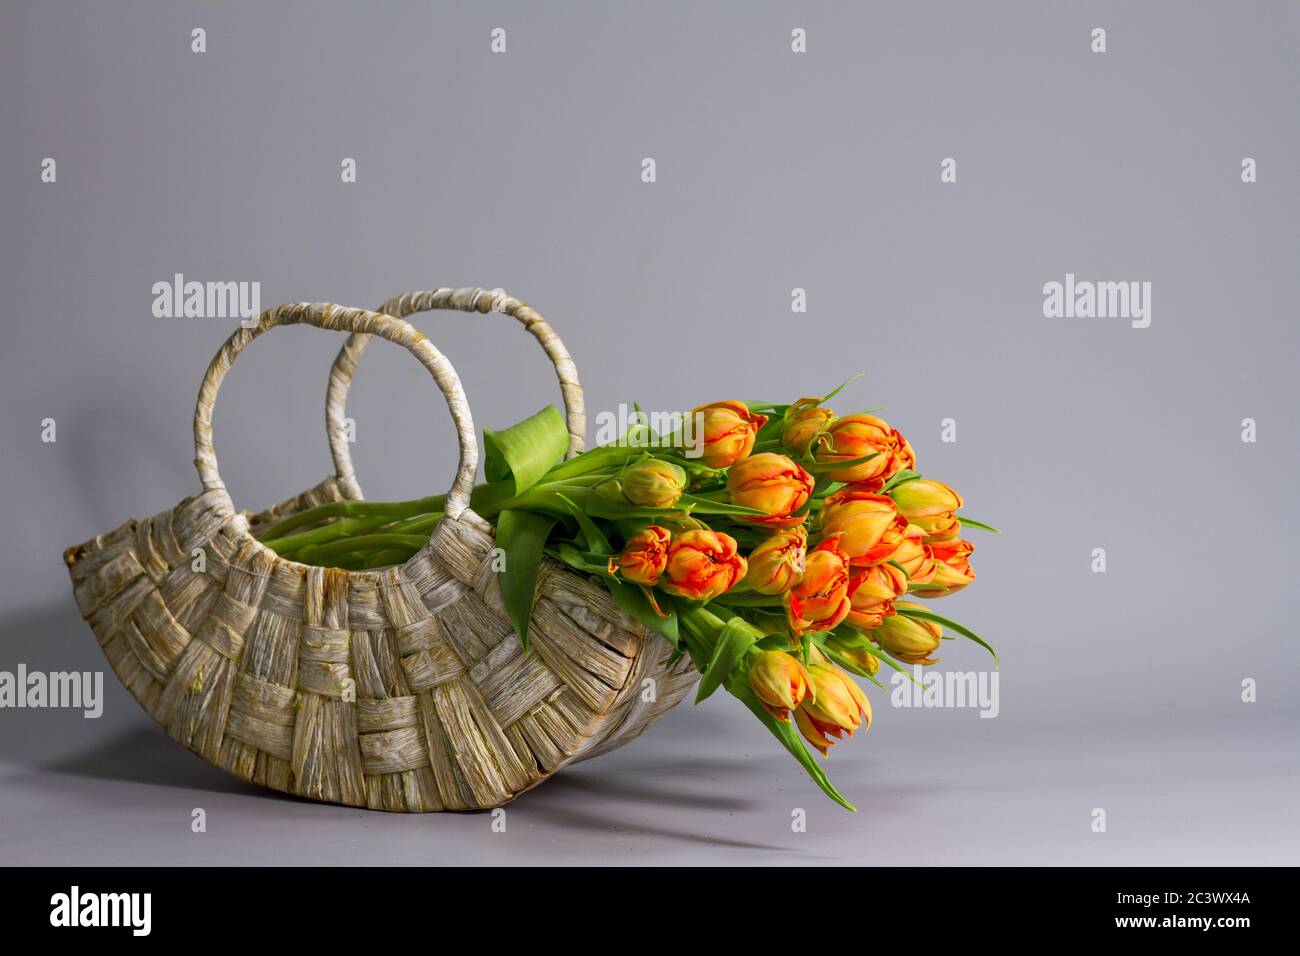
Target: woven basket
x=403, y=688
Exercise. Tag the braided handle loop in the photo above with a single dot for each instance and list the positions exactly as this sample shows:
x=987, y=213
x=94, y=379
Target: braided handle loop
x=360, y=323
x=464, y=300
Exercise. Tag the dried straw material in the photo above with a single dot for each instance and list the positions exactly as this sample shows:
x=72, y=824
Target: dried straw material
x=402, y=688
x=463, y=300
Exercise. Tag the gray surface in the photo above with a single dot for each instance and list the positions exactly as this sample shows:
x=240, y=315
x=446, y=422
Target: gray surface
x=1120, y=691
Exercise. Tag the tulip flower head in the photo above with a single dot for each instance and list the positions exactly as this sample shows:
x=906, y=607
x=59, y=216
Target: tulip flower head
x=702, y=564
x=773, y=484
x=872, y=593
x=856, y=654
x=914, y=557
x=806, y=422
x=780, y=682
x=654, y=483
x=777, y=563
x=835, y=710
x=724, y=432
x=929, y=505
x=820, y=601
x=907, y=639
x=952, y=569
x=870, y=525
x=644, y=557
x=857, y=436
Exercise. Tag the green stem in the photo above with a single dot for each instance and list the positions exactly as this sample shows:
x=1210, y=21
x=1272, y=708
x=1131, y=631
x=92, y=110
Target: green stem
x=367, y=542
x=350, y=508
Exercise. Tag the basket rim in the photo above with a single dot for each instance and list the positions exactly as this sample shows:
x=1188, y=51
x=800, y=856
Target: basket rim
x=244, y=535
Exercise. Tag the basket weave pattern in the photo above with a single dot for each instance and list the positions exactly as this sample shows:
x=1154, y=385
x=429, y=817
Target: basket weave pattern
x=403, y=688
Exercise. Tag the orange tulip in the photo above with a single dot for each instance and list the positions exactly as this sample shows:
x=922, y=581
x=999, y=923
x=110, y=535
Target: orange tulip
x=723, y=432
x=776, y=564
x=908, y=639
x=770, y=483
x=644, y=557
x=780, y=682
x=702, y=565
x=821, y=600
x=835, y=710
x=913, y=555
x=931, y=506
x=952, y=570
x=872, y=593
x=870, y=523
x=856, y=436
x=803, y=423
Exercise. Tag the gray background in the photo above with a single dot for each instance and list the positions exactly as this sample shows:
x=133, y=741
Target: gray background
x=1120, y=690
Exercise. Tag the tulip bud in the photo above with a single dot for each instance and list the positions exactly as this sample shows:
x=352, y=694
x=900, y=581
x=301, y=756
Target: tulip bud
x=702, y=565
x=856, y=436
x=770, y=483
x=654, y=483
x=855, y=654
x=871, y=526
x=820, y=601
x=908, y=639
x=776, y=564
x=836, y=708
x=952, y=570
x=723, y=432
x=872, y=593
x=803, y=423
x=644, y=557
x=930, y=505
x=780, y=682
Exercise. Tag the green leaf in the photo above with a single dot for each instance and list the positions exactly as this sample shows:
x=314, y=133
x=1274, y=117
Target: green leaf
x=972, y=523
x=735, y=640
x=785, y=732
x=699, y=504
x=821, y=467
x=524, y=452
x=522, y=536
x=924, y=614
x=583, y=561
x=596, y=540
x=903, y=476
x=847, y=381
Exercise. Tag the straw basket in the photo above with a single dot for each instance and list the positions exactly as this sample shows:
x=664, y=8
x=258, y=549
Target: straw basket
x=403, y=688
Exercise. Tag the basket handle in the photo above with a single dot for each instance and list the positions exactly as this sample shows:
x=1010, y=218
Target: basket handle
x=464, y=300
x=360, y=323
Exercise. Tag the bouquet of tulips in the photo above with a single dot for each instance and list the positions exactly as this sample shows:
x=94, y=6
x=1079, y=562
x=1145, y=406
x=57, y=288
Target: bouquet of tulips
x=778, y=545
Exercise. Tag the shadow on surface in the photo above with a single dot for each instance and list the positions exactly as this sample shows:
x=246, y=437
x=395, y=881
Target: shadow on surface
x=147, y=755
